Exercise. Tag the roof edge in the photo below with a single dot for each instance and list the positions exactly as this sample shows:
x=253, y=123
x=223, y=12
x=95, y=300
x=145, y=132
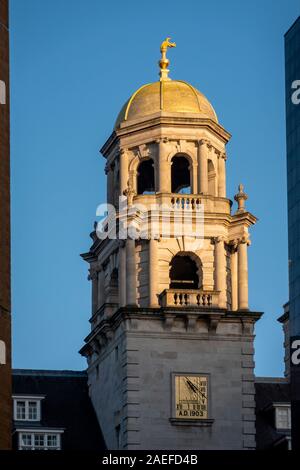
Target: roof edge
x=50, y=373
x=292, y=26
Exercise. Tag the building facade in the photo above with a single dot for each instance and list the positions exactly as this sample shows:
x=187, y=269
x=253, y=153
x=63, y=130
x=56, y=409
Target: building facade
x=5, y=300
x=292, y=70
x=273, y=413
x=52, y=411
x=170, y=352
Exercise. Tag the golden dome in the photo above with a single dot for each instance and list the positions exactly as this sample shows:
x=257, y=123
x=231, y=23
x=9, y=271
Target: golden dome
x=173, y=96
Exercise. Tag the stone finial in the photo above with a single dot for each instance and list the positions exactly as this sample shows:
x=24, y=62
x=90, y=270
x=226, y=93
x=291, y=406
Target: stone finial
x=240, y=198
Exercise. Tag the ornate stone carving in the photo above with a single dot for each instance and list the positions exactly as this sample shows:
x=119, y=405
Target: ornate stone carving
x=233, y=245
x=143, y=151
x=123, y=151
x=245, y=239
x=218, y=239
x=129, y=192
x=107, y=168
x=203, y=142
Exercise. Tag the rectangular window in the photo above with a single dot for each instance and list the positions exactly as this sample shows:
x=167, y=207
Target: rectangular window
x=52, y=441
x=32, y=410
x=25, y=442
x=283, y=417
x=39, y=441
x=27, y=409
x=20, y=410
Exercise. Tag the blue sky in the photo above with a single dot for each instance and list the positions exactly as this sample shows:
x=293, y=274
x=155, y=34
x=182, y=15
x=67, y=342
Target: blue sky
x=73, y=64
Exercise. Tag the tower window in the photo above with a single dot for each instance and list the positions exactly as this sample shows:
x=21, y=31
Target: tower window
x=183, y=273
x=180, y=175
x=146, y=178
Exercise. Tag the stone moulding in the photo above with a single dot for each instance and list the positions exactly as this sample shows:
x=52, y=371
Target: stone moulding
x=104, y=332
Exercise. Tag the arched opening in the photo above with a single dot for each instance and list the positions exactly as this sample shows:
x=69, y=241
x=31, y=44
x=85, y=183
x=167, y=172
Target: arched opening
x=211, y=178
x=145, y=177
x=183, y=273
x=180, y=175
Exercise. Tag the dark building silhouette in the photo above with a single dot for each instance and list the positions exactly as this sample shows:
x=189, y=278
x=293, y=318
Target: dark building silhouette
x=52, y=411
x=5, y=302
x=273, y=413
x=292, y=76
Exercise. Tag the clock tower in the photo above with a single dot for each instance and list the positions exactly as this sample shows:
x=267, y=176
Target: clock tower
x=170, y=352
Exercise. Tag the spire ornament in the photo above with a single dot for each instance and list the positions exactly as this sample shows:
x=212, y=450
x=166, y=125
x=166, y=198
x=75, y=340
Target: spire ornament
x=164, y=62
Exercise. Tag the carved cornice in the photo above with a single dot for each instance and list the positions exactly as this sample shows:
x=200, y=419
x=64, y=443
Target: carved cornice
x=162, y=140
x=131, y=316
x=161, y=120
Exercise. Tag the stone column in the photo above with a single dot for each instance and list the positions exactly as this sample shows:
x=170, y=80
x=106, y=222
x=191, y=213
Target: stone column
x=220, y=265
x=109, y=191
x=222, y=175
x=123, y=164
x=243, y=274
x=164, y=178
x=193, y=172
x=153, y=272
x=130, y=272
x=101, y=291
x=234, y=278
x=93, y=276
x=122, y=274
x=202, y=166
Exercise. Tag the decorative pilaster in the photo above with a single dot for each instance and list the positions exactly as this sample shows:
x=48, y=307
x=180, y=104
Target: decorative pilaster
x=153, y=272
x=243, y=273
x=123, y=164
x=220, y=266
x=130, y=272
x=164, y=177
x=202, y=166
x=234, y=276
x=109, y=173
x=222, y=175
x=101, y=293
x=194, y=172
x=122, y=274
x=93, y=276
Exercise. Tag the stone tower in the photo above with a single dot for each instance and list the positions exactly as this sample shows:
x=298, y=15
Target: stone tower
x=170, y=352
